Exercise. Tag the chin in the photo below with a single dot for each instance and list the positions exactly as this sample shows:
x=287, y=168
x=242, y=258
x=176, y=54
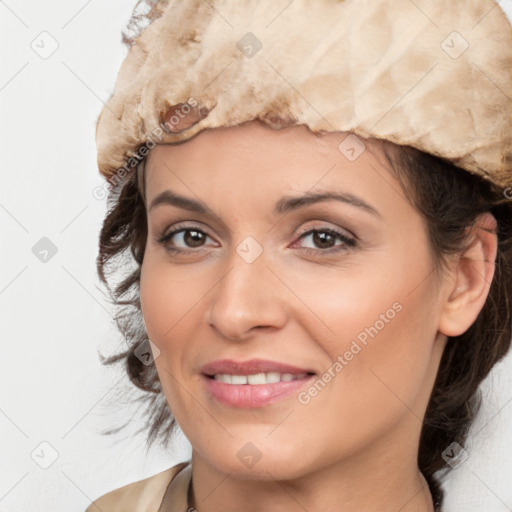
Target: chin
x=247, y=460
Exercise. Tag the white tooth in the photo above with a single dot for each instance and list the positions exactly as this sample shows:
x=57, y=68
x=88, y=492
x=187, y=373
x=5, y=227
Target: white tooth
x=257, y=378
x=273, y=377
x=223, y=377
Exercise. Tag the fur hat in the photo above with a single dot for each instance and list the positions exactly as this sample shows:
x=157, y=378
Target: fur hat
x=432, y=74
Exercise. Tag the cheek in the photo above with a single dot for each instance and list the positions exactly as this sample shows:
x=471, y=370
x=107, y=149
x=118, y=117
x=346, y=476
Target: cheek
x=377, y=325
x=168, y=295
x=169, y=301
x=376, y=368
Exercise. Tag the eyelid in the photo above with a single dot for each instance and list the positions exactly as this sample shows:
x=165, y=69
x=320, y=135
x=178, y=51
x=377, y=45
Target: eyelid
x=348, y=241
x=184, y=225
x=164, y=237
x=326, y=226
x=175, y=215
x=168, y=219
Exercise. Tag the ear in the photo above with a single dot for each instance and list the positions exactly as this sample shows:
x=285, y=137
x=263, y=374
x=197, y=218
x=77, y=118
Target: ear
x=470, y=278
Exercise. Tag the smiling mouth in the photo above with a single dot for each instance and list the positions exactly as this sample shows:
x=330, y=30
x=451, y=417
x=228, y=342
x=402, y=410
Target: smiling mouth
x=254, y=383
x=257, y=379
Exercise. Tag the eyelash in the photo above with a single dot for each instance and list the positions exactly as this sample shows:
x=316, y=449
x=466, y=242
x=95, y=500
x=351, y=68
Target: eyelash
x=165, y=238
x=347, y=242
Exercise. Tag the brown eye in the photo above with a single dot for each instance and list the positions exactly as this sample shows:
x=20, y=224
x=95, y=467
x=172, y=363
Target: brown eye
x=323, y=239
x=193, y=238
x=185, y=238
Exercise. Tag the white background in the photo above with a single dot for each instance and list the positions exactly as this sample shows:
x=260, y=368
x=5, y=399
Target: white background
x=54, y=315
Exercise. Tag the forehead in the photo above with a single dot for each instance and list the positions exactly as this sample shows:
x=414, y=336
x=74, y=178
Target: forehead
x=258, y=163
x=257, y=151
x=249, y=135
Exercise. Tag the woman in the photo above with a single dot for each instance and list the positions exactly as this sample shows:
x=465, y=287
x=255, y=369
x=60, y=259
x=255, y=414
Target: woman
x=317, y=197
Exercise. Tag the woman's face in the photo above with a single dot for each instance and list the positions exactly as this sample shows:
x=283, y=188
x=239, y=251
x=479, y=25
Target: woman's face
x=292, y=299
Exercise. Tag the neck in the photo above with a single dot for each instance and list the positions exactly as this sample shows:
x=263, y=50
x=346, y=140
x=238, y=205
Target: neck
x=351, y=486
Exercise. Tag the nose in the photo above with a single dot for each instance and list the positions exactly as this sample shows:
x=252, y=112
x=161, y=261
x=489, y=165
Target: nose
x=247, y=299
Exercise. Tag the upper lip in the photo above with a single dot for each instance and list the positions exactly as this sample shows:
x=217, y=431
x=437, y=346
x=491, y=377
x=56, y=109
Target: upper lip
x=250, y=367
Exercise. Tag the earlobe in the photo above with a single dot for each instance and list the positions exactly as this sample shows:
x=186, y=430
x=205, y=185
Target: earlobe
x=471, y=278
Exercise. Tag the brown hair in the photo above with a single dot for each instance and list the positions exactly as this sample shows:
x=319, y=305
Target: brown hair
x=450, y=200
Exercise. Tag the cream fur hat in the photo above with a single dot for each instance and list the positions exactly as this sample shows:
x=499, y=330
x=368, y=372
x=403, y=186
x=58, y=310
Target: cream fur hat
x=432, y=74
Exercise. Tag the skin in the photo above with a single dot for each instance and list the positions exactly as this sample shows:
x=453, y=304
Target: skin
x=353, y=446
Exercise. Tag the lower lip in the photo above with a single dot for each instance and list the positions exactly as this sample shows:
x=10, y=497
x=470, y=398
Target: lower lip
x=249, y=396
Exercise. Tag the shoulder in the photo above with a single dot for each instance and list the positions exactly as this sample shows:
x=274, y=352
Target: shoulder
x=141, y=496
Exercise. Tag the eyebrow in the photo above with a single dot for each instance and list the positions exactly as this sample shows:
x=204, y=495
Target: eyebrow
x=168, y=197
x=288, y=204
x=284, y=205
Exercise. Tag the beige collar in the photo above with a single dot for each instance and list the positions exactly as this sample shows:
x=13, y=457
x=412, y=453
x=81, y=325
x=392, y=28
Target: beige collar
x=176, y=495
